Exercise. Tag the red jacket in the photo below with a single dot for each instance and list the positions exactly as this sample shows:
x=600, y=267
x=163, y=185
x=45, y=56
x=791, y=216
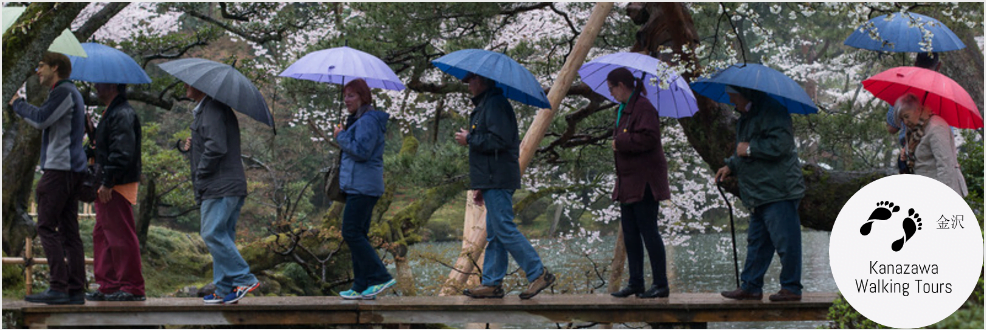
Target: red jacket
x=639, y=155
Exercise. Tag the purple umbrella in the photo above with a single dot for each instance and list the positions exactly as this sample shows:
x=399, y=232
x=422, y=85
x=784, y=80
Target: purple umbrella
x=670, y=94
x=341, y=65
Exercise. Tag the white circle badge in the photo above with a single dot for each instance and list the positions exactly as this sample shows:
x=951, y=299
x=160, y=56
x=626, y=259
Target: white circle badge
x=906, y=251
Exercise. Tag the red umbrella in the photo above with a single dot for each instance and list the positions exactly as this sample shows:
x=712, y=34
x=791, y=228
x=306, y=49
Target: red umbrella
x=939, y=93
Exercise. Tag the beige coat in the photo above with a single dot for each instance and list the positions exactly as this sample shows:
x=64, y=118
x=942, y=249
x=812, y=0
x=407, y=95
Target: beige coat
x=936, y=156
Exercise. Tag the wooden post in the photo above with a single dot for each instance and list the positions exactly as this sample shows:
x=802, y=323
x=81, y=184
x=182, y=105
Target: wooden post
x=28, y=281
x=476, y=239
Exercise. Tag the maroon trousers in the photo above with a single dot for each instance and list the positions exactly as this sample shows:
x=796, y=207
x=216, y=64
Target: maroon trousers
x=116, y=250
x=58, y=228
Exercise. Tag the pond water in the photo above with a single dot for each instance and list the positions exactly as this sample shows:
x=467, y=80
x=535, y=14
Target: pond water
x=704, y=263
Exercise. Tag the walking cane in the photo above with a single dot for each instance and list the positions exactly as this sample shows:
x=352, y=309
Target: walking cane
x=732, y=228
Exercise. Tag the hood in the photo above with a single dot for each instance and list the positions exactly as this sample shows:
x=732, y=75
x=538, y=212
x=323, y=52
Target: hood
x=378, y=116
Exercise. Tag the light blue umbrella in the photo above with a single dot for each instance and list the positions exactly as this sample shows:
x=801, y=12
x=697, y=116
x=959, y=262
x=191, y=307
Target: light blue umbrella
x=900, y=33
x=757, y=77
x=670, y=94
x=341, y=65
x=108, y=65
x=223, y=83
x=516, y=82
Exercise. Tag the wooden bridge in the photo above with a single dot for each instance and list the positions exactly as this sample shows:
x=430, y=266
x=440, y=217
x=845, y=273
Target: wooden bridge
x=694, y=308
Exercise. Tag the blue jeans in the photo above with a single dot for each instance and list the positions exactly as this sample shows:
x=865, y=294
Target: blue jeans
x=367, y=268
x=229, y=270
x=773, y=226
x=502, y=237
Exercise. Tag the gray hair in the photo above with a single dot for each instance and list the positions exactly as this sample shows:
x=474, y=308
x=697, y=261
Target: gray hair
x=906, y=102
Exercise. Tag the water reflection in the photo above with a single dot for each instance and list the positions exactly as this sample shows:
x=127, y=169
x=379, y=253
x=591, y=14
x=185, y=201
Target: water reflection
x=704, y=263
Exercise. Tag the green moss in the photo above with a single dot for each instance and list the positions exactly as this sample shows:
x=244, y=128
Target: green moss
x=13, y=278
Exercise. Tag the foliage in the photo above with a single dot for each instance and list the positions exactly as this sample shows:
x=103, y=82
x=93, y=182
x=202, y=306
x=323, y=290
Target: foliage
x=971, y=162
x=844, y=316
x=13, y=277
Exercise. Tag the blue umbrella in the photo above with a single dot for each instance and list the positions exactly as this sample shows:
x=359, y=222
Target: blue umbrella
x=757, y=77
x=899, y=32
x=107, y=65
x=223, y=83
x=516, y=82
x=341, y=65
x=673, y=100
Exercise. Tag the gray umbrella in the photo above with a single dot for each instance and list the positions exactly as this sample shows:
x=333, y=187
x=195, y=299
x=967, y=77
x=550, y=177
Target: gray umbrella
x=223, y=83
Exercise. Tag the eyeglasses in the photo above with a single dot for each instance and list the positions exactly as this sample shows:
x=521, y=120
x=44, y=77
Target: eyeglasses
x=40, y=66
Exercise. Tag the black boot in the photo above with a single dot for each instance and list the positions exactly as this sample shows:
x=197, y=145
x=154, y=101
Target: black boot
x=627, y=291
x=655, y=292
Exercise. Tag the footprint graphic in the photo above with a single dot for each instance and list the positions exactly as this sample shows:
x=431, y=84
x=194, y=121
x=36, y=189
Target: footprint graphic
x=911, y=226
x=884, y=210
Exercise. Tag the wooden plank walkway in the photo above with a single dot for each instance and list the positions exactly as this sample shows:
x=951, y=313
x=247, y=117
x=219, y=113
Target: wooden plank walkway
x=545, y=308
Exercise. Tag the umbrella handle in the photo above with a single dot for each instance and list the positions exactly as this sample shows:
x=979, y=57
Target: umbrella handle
x=732, y=228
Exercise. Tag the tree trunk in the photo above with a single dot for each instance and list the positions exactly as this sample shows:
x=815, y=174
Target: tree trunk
x=619, y=261
x=966, y=67
x=30, y=36
x=554, y=221
x=534, y=134
x=146, y=209
x=22, y=143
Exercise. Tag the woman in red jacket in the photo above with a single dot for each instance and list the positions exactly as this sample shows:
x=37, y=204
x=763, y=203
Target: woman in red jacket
x=641, y=182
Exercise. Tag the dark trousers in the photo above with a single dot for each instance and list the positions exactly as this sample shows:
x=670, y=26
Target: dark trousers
x=58, y=227
x=639, y=222
x=773, y=227
x=367, y=268
x=116, y=250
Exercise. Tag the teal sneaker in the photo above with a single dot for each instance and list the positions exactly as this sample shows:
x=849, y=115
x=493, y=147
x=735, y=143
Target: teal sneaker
x=374, y=290
x=350, y=295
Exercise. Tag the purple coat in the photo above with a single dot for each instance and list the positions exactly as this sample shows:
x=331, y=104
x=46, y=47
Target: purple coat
x=639, y=155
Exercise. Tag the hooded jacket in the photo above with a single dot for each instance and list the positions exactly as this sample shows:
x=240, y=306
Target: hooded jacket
x=772, y=171
x=494, y=143
x=362, y=143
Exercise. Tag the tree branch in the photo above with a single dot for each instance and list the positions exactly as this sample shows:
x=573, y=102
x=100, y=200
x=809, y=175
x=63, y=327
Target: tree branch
x=97, y=21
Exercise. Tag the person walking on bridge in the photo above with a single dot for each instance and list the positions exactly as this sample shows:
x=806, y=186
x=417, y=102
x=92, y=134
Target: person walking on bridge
x=63, y=163
x=494, y=170
x=641, y=183
x=771, y=185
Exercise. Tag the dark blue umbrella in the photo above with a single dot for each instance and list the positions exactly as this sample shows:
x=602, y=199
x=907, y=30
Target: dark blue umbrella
x=107, y=65
x=223, y=83
x=900, y=32
x=757, y=77
x=516, y=82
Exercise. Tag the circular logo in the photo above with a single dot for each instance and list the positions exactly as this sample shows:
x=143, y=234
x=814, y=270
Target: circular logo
x=906, y=251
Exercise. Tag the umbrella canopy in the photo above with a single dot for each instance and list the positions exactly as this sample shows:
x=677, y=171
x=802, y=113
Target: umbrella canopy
x=516, y=82
x=675, y=101
x=900, y=32
x=65, y=43
x=757, y=77
x=107, y=65
x=341, y=65
x=939, y=93
x=223, y=83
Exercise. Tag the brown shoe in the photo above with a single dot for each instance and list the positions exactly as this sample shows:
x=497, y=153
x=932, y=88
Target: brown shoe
x=740, y=294
x=483, y=291
x=541, y=283
x=785, y=295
